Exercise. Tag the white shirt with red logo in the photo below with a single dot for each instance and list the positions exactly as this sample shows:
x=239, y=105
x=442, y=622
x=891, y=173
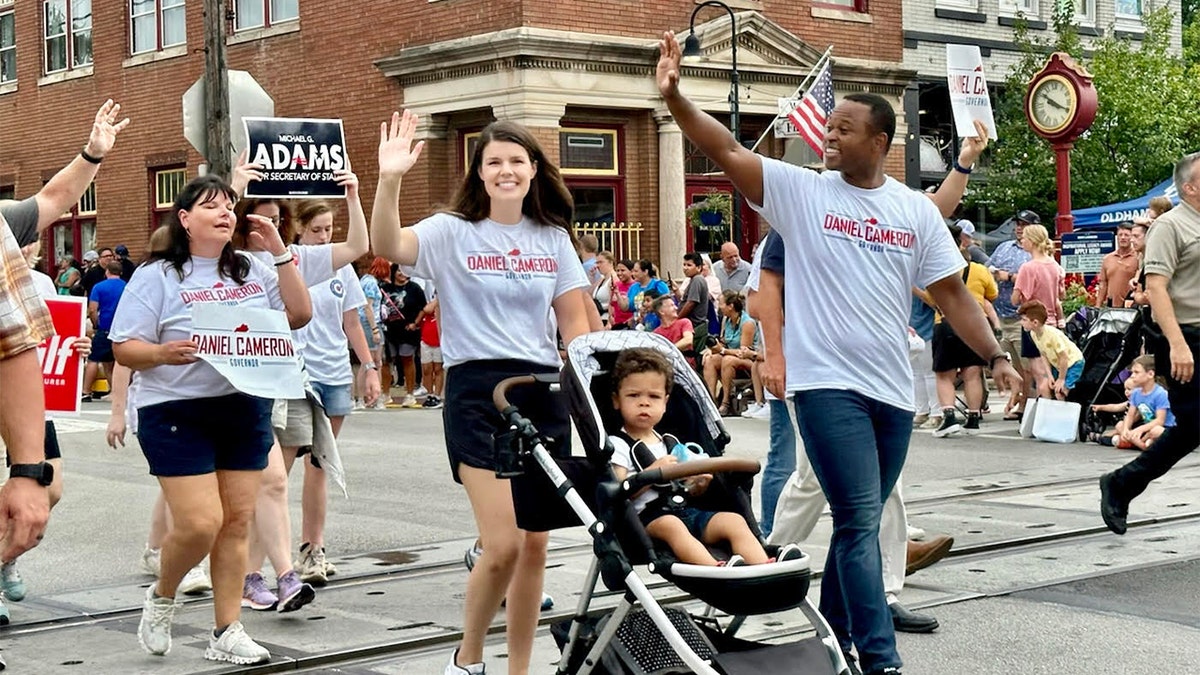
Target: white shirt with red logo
x=497, y=283
x=853, y=256
x=157, y=308
x=322, y=342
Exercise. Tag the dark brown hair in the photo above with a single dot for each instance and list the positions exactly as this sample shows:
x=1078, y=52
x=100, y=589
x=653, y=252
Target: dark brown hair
x=244, y=207
x=177, y=252
x=641, y=360
x=548, y=201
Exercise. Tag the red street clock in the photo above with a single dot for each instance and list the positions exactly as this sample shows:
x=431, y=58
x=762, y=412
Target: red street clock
x=1060, y=105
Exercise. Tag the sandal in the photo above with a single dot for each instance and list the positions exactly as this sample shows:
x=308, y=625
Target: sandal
x=1014, y=416
x=723, y=410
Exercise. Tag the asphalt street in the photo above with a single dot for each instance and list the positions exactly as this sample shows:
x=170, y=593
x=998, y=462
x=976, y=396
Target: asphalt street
x=1089, y=602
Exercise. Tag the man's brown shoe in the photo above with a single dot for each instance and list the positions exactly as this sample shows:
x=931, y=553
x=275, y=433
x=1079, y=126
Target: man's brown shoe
x=922, y=554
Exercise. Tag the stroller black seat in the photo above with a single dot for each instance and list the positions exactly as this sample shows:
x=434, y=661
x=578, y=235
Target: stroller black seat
x=747, y=589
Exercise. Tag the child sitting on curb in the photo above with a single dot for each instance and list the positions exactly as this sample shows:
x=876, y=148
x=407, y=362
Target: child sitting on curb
x=642, y=380
x=1149, y=412
x=1065, y=359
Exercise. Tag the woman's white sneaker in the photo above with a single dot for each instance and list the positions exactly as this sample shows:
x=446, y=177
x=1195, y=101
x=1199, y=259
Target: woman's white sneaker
x=234, y=646
x=154, y=630
x=195, y=582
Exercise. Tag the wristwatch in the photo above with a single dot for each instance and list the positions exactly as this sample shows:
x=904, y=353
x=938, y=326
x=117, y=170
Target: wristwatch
x=42, y=472
x=371, y=365
x=1002, y=355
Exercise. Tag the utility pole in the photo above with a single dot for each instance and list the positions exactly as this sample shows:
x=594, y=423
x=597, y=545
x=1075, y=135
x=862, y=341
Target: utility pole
x=216, y=90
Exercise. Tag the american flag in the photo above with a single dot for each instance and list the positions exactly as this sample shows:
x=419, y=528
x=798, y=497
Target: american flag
x=809, y=117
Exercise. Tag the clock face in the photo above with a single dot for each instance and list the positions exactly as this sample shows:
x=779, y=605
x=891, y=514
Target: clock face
x=1052, y=104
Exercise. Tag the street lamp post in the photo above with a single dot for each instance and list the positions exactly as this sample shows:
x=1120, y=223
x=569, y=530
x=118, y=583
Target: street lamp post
x=691, y=54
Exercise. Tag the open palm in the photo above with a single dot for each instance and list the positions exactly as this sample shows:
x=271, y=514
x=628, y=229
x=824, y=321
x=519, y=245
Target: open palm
x=397, y=153
x=667, y=73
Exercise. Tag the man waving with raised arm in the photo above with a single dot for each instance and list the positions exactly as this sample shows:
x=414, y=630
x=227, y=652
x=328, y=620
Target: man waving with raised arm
x=847, y=360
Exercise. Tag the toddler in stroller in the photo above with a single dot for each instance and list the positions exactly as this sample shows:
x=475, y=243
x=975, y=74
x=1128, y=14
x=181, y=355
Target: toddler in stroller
x=640, y=635
x=642, y=381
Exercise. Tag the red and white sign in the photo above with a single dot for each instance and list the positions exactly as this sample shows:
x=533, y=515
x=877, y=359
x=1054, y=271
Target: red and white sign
x=62, y=369
x=969, y=98
x=251, y=347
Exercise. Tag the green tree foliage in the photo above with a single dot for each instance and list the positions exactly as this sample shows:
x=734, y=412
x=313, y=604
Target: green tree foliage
x=1149, y=116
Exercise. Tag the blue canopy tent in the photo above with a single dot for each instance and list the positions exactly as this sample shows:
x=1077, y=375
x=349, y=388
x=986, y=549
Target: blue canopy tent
x=1100, y=217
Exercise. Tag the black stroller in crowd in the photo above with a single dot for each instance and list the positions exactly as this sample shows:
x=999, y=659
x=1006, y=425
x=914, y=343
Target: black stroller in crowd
x=1110, y=340
x=640, y=635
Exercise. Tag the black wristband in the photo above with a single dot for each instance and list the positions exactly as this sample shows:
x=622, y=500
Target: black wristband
x=88, y=158
x=962, y=169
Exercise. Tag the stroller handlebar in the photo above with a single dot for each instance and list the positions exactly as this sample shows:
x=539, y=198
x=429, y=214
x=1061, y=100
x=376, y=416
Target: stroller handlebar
x=500, y=393
x=693, y=467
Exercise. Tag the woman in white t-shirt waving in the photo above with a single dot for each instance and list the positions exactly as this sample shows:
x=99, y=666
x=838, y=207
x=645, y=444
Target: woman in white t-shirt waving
x=506, y=271
x=209, y=472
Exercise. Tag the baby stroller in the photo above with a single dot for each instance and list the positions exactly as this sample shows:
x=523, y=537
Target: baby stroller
x=640, y=635
x=1112, y=341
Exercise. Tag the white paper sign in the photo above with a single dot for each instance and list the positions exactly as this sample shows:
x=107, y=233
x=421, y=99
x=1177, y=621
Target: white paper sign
x=783, y=126
x=968, y=90
x=251, y=347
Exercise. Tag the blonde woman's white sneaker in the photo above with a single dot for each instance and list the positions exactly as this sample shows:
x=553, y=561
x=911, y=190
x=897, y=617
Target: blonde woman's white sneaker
x=195, y=582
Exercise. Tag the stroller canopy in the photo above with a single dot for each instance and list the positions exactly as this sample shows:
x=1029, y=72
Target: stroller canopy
x=592, y=355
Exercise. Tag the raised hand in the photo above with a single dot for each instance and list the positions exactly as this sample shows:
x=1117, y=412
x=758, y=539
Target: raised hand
x=397, y=153
x=973, y=147
x=347, y=179
x=669, y=57
x=264, y=236
x=105, y=129
x=245, y=172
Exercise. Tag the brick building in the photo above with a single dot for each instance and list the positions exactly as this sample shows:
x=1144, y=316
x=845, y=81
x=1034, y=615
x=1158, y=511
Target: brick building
x=578, y=73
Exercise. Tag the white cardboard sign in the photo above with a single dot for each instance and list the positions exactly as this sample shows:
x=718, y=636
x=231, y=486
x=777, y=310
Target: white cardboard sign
x=251, y=347
x=969, y=96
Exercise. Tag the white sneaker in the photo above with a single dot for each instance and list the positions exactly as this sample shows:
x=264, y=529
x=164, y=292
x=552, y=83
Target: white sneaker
x=453, y=668
x=410, y=401
x=154, y=630
x=421, y=391
x=195, y=582
x=151, y=563
x=358, y=404
x=762, y=412
x=915, y=533
x=751, y=410
x=234, y=646
x=381, y=402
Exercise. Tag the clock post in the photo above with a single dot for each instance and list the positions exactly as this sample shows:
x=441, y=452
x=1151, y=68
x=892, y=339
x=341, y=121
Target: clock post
x=1060, y=104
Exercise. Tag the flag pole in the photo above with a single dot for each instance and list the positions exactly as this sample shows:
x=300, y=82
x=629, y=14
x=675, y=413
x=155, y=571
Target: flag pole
x=799, y=90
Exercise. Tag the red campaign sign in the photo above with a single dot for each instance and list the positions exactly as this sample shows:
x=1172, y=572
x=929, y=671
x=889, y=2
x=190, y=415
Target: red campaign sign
x=62, y=369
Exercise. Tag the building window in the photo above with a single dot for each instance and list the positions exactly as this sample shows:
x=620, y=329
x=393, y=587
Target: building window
x=588, y=152
x=1085, y=12
x=1012, y=7
x=68, y=34
x=1129, y=9
x=470, y=141
x=8, y=192
x=155, y=25
x=75, y=232
x=972, y=5
x=265, y=13
x=8, y=44
x=852, y=5
x=165, y=184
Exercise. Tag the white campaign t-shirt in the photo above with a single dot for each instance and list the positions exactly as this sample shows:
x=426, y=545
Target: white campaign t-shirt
x=322, y=342
x=497, y=283
x=853, y=257
x=157, y=307
x=314, y=262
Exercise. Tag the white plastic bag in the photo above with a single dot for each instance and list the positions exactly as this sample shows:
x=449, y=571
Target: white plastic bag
x=1057, y=421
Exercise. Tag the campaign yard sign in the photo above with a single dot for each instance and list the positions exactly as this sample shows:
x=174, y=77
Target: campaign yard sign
x=62, y=369
x=969, y=97
x=298, y=157
x=1083, y=252
x=251, y=347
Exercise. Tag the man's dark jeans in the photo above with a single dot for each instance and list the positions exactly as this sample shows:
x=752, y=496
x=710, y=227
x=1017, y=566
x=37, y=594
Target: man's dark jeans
x=1177, y=441
x=857, y=447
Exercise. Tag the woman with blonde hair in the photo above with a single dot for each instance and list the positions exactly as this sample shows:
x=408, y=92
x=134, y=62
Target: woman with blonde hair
x=1040, y=278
